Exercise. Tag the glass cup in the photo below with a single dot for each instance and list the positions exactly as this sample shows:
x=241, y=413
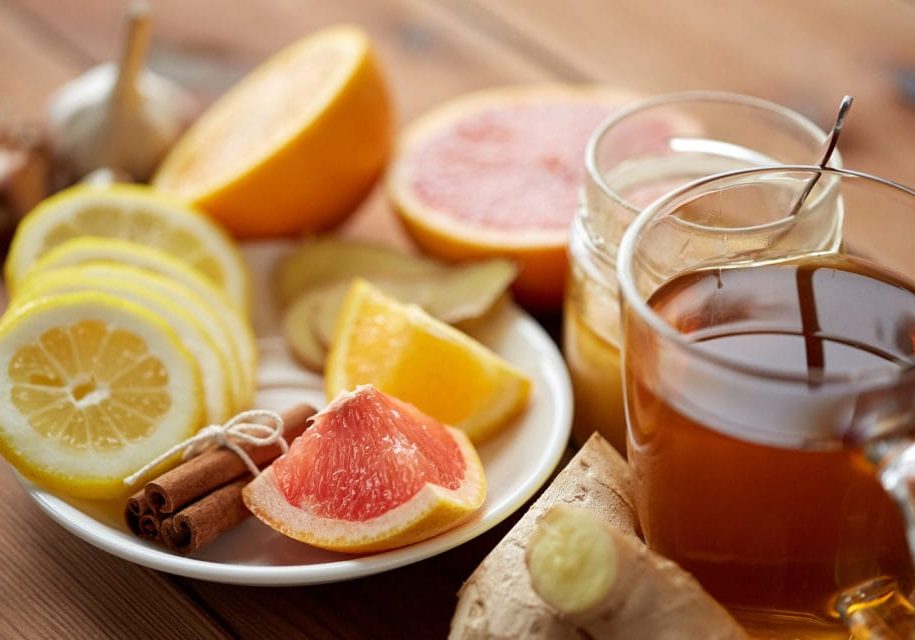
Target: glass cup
x=638, y=154
x=770, y=395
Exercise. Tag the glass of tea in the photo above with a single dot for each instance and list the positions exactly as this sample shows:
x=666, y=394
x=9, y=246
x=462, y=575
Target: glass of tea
x=770, y=394
x=637, y=155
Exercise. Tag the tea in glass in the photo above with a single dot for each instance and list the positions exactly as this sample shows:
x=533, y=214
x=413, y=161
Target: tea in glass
x=742, y=514
x=760, y=386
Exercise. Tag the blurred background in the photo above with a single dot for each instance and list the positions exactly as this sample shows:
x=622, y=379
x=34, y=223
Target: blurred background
x=804, y=55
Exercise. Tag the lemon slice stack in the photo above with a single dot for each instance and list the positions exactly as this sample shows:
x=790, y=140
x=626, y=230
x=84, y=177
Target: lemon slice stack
x=127, y=331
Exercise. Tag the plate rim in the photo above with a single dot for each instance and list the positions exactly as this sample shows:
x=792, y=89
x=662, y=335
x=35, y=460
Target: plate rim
x=138, y=552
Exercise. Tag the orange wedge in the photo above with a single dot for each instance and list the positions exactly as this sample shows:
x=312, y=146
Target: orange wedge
x=407, y=353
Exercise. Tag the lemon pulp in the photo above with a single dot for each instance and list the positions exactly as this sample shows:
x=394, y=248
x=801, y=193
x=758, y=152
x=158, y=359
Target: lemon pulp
x=89, y=386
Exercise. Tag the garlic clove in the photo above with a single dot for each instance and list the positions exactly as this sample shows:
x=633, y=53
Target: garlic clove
x=118, y=115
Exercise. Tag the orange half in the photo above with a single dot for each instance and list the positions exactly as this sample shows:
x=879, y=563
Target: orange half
x=294, y=146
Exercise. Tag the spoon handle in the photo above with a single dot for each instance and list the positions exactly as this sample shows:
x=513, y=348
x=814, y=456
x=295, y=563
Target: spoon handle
x=829, y=146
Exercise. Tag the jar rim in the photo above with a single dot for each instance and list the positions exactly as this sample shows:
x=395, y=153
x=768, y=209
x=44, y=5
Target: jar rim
x=595, y=176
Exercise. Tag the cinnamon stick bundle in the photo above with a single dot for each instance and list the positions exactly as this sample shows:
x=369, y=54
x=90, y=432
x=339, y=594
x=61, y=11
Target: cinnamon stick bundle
x=191, y=504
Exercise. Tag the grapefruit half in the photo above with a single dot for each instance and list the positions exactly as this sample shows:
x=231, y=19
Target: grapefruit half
x=497, y=173
x=372, y=473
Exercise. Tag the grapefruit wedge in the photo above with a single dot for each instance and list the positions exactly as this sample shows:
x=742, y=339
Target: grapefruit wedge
x=372, y=473
x=497, y=174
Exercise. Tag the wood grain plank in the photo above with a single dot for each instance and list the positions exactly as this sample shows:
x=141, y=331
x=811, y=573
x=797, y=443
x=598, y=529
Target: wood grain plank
x=796, y=53
x=54, y=585
x=805, y=55
x=32, y=64
x=426, y=54
x=416, y=601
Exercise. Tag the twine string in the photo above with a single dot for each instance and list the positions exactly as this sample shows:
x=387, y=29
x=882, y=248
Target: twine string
x=258, y=428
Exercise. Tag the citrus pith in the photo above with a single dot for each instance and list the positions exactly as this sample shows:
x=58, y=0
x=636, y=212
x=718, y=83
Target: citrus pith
x=91, y=388
x=91, y=250
x=186, y=321
x=212, y=321
x=133, y=213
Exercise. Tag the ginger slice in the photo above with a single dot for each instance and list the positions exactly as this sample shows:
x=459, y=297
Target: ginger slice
x=611, y=586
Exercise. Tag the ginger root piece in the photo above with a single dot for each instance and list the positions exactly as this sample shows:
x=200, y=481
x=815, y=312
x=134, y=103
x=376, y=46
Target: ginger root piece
x=498, y=601
x=611, y=586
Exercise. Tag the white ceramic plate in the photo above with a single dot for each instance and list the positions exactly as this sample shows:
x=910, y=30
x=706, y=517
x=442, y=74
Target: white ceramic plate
x=517, y=462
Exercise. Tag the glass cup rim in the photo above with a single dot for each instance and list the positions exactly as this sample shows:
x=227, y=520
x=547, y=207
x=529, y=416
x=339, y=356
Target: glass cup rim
x=630, y=296
x=720, y=97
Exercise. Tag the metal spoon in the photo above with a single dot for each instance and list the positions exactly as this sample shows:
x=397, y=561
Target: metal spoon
x=827, y=150
x=813, y=344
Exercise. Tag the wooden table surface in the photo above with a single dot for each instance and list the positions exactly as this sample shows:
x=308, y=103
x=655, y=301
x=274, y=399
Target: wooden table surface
x=805, y=55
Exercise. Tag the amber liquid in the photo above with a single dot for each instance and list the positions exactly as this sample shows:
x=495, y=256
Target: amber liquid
x=594, y=368
x=770, y=527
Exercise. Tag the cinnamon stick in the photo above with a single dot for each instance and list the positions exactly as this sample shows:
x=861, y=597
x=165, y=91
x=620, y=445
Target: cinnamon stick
x=188, y=506
x=141, y=520
x=205, y=473
x=149, y=527
x=137, y=507
x=200, y=523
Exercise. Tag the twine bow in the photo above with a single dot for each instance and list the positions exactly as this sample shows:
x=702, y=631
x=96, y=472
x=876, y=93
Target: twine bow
x=245, y=428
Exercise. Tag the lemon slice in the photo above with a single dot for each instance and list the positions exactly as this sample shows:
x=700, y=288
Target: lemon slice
x=138, y=214
x=214, y=364
x=92, y=387
x=295, y=145
x=107, y=250
x=214, y=326
x=405, y=352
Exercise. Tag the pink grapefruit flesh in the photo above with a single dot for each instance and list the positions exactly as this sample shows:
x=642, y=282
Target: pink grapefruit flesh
x=371, y=473
x=497, y=174
x=399, y=450
x=512, y=167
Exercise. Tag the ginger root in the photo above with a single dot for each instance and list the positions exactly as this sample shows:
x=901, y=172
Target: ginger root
x=611, y=586
x=498, y=601
x=629, y=592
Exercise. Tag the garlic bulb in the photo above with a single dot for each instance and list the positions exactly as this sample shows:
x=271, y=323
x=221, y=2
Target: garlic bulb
x=118, y=115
